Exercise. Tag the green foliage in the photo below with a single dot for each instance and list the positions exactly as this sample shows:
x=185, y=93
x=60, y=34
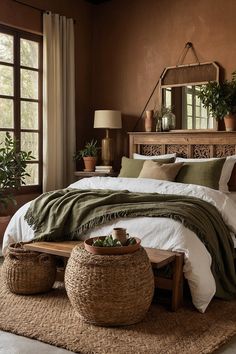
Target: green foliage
x=108, y=241
x=90, y=149
x=220, y=98
x=13, y=165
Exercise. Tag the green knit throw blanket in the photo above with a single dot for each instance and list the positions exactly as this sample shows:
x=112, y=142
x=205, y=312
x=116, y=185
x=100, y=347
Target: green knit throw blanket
x=68, y=213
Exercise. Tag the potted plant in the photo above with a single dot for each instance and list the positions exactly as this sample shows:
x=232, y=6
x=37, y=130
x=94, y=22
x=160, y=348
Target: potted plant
x=220, y=99
x=89, y=155
x=13, y=165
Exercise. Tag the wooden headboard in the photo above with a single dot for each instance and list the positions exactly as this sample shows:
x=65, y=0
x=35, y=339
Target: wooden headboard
x=189, y=144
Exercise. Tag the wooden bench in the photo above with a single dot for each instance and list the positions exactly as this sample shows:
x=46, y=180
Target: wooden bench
x=158, y=259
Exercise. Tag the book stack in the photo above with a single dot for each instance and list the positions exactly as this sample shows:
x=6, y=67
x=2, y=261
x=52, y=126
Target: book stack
x=104, y=169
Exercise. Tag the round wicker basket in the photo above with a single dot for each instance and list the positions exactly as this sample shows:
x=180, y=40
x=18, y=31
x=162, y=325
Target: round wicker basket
x=109, y=290
x=26, y=272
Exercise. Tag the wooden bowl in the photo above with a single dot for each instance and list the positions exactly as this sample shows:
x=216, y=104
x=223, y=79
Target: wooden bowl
x=110, y=250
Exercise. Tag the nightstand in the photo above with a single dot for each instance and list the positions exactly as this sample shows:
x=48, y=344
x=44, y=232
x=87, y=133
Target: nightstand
x=82, y=174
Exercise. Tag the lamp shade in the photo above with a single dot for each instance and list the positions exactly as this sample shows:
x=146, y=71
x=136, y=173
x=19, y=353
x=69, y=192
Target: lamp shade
x=107, y=119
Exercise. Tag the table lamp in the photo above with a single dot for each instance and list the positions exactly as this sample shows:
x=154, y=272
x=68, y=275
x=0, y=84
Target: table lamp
x=109, y=120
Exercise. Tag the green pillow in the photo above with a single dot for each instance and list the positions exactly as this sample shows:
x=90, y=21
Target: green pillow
x=132, y=167
x=202, y=173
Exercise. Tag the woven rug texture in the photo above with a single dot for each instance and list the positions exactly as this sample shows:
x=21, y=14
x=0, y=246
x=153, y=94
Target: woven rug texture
x=51, y=319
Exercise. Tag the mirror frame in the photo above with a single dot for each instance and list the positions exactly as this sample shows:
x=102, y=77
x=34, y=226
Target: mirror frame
x=189, y=75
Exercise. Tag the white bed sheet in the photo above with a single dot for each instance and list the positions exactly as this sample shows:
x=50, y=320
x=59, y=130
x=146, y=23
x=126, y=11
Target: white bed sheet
x=155, y=232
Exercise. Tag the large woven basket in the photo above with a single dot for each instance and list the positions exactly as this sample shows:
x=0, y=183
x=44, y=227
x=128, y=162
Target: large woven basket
x=26, y=272
x=109, y=290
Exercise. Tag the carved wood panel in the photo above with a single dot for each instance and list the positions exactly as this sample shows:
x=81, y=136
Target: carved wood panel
x=150, y=150
x=224, y=150
x=201, y=151
x=181, y=150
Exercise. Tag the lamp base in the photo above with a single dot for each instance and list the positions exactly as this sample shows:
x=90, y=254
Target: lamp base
x=107, y=151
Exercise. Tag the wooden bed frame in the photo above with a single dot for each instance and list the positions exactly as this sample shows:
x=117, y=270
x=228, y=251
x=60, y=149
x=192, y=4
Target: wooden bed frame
x=186, y=143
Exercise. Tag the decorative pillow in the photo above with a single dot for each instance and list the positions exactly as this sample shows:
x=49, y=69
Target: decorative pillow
x=144, y=157
x=132, y=167
x=155, y=170
x=205, y=173
x=225, y=173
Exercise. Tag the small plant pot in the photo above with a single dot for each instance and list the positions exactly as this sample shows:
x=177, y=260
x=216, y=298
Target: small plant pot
x=119, y=234
x=89, y=163
x=230, y=122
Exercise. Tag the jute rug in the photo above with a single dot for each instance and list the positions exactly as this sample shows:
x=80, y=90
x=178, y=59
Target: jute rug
x=51, y=319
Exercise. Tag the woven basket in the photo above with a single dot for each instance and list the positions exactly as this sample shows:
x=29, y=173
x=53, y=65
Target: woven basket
x=26, y=272
x=109, y=290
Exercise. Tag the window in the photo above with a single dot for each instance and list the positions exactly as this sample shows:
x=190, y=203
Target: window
x=195, y=116
x=167, y=97
x=21, y=96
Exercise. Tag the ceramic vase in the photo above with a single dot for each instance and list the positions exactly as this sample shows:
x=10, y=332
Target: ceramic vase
x=119, y=233
x=230, y=122
x=149, y=121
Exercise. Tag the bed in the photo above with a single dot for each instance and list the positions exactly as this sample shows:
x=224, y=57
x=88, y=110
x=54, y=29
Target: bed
x=158, y=232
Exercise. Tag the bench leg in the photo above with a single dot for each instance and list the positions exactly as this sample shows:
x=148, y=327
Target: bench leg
x=177, y=287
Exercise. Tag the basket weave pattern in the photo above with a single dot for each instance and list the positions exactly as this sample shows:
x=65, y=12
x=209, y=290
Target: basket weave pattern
x=109, y=290
x=26, y=272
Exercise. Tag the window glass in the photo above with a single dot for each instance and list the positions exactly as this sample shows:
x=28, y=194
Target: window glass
x=29, y=115
x=29, y=142
x=20, y=105
x=6, y=80
x=198, y=117
x=33, y=171
x=29, y=53
x=2, y=138
x=7, y=114
x=29, y=84
x=6, y=48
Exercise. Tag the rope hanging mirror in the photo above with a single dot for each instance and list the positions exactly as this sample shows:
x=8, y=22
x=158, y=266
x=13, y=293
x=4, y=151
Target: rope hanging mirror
x=184, y=74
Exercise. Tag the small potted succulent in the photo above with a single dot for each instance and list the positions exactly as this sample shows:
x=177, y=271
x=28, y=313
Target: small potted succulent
x=13, y=165
x=220, y=99
x=89, y=155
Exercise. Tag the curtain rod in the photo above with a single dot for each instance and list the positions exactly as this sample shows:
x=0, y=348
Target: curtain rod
x=35, y=7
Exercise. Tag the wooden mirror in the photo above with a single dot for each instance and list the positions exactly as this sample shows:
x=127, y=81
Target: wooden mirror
x=179, y=86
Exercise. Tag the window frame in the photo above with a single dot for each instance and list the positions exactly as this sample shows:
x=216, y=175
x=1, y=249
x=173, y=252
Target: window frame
x=16, y=130
x=192, y=90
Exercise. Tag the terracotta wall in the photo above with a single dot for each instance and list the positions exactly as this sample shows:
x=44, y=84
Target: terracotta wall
x=14, y=14
x=122, y=47
x=134, y=40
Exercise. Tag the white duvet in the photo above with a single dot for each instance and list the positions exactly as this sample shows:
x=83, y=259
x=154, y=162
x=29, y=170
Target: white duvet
x=161, y=233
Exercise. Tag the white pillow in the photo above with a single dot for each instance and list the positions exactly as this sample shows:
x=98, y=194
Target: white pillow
x=225, y=173
x=144, y=157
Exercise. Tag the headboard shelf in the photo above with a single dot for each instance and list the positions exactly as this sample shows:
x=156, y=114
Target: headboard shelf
x=189, y=144
x=196, y=144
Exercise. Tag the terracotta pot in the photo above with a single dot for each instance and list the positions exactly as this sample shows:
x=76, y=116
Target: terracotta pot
x=148, y=121
x=4, y=221
x=230, y=122
x=89, y=163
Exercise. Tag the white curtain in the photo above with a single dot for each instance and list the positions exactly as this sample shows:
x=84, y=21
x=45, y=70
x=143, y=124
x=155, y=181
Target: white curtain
x=58, y=101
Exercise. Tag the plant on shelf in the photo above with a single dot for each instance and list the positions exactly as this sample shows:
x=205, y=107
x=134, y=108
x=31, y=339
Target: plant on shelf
x=89, y=155
x=13, y=163
x=220, y=99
